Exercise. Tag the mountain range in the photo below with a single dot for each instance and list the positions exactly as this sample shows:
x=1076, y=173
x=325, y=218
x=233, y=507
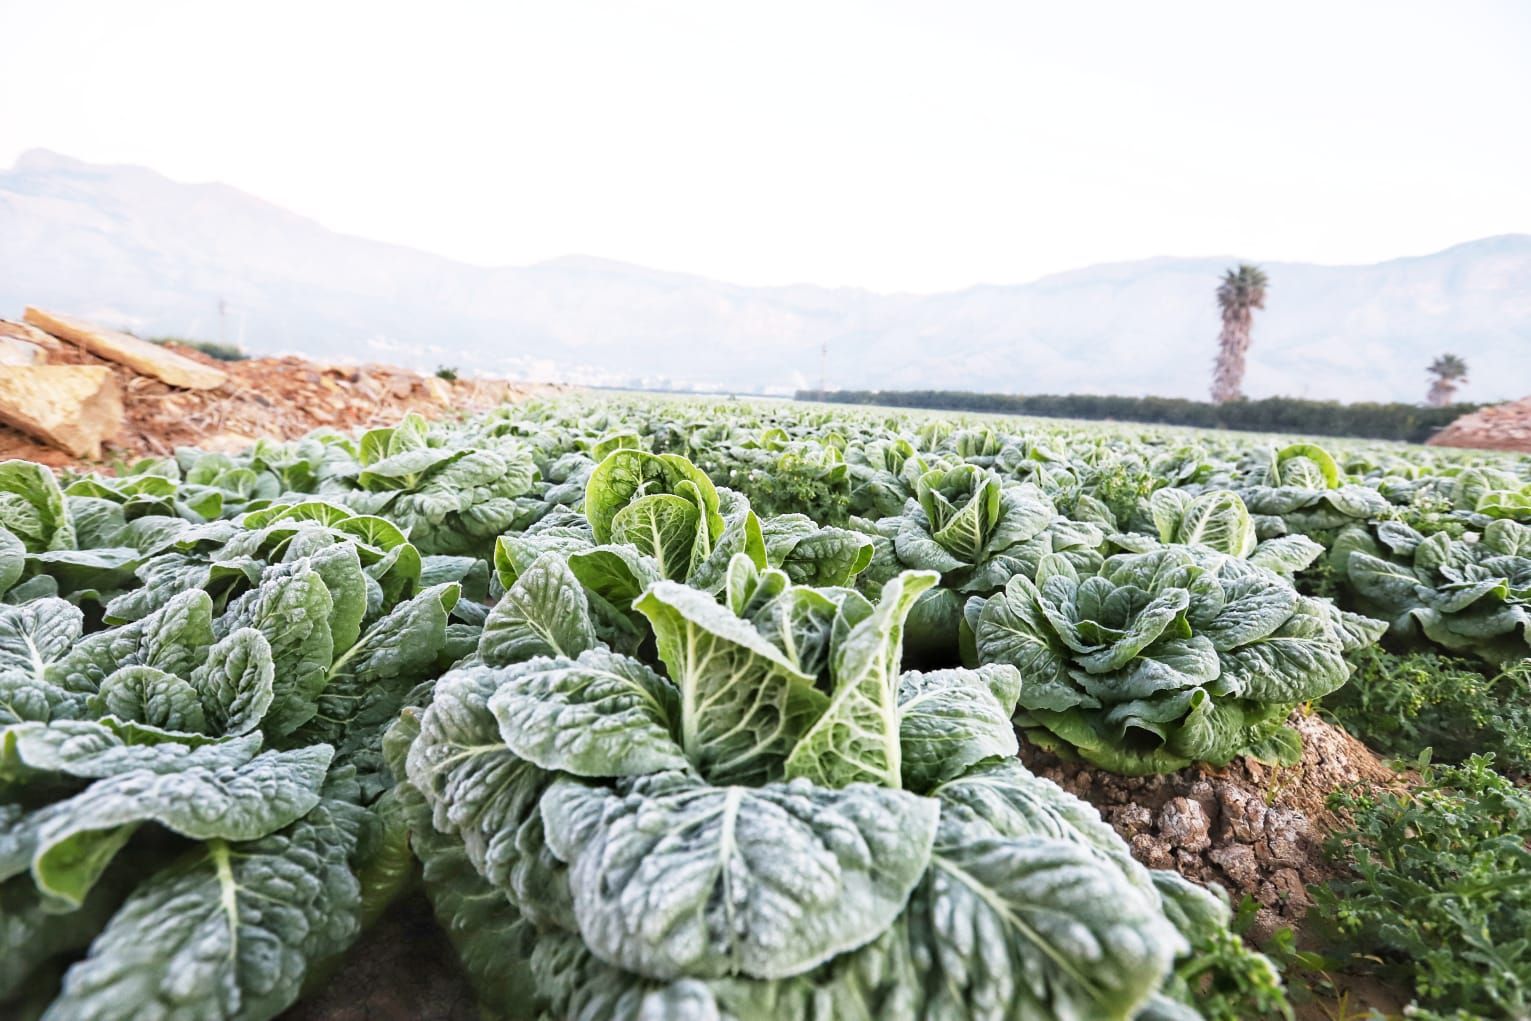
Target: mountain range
x=131, y=248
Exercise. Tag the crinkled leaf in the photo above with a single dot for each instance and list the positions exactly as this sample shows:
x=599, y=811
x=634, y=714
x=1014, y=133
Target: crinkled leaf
x=951, y=719
x=602, y=715
x=544, y=613
x=231, y=931
x=856, y=738
x=769, y=882
x=237, y=683
x=149, y=695
x=742, y=702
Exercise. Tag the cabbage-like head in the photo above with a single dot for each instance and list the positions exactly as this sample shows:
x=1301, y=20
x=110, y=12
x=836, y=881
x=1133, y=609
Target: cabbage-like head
x=660, y=503
x=1164, y=658
x=962, y=507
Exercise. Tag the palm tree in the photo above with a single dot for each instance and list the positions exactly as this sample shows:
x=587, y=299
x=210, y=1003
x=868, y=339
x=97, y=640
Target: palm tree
x=1240, y=292
x=1450, y=372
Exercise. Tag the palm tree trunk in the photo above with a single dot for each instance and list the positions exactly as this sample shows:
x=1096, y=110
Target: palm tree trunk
x=1232, y=348
x=1441, y=393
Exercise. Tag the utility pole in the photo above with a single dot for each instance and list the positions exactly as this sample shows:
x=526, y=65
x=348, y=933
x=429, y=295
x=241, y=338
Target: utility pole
x=823, y=364
x=223, y=312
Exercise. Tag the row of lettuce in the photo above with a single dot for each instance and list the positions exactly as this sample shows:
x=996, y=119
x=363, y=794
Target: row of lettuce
x=682, y=711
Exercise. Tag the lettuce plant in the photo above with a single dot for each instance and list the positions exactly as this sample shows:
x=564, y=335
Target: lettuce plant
x=1465, y=596
x=883, y=475
x=1217, y=521
x=978, y=533
x=196, y=795
x=768, y=819
x=1301, y=489
x=1165, y=658
x=449, y=497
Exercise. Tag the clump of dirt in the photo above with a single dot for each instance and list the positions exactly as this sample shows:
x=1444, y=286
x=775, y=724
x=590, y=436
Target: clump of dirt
x=1500, y=427
x=278, y=398
x=1254, y=829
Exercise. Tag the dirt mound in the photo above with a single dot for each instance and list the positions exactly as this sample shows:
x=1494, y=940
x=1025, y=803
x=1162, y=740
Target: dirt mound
x=1501, y=427
x=1254, y=829
x=281, y=398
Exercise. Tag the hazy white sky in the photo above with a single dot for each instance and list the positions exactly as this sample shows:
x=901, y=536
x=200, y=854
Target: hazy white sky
x=900, y=146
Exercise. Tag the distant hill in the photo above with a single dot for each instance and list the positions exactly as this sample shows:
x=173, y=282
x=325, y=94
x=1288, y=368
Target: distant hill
x=130, y=247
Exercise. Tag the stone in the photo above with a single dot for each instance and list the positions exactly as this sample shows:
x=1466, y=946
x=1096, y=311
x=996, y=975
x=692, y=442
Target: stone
x=21, y=352
x=1243, y=815
x=1130, y=820
x=73, y=407
x=1238, y=861
x=29, y=334
x=138, y=355
x=1151, y=851
x=1185, y=825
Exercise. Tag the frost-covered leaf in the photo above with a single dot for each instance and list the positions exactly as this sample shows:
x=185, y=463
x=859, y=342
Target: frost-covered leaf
x=231, y=931
x=544, y=613
x=32, y=507
x=173, y=638
x=152, y=696
x=856, y=738
x=293, y=613
x=97, y=748
x=1218, y=520
x=1299, y=660
x=37, y=634
x=1011, y=628
x=236, y=683
x=742, y=702
x=951, y=719
x=1033, y=927
x=13, y=559
x=369, y=682
x=33, y=930
x=69, y=842
x=492, y=939
x=473, y=784
x=661, y=526
x=1286, y=554
x=676, y=878
x=602, y=715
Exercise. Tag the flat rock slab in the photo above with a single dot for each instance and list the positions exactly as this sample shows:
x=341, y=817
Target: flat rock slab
x=29, y=335
x=21, y=352
x=73, y=407
x=138, y=355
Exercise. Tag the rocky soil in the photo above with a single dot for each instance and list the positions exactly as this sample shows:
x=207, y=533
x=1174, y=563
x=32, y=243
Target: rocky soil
x=1501, y=427
x=1254, y=829
x=281, y=398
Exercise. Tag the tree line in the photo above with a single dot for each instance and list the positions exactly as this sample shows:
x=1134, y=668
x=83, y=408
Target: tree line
x=1240, y=292
x=1412, y=423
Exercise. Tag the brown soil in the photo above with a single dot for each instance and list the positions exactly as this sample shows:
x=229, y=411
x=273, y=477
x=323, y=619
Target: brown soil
x=1253, y=829
x=282, y=398
x=1256, y=830
x=404, y=969
x=1501, y=427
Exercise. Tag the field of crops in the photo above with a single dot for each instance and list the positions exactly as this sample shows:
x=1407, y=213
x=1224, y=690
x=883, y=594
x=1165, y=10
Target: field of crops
x=693, y=710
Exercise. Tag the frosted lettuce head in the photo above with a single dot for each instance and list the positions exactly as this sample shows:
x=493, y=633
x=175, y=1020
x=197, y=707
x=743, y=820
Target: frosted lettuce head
x=1164, y=658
